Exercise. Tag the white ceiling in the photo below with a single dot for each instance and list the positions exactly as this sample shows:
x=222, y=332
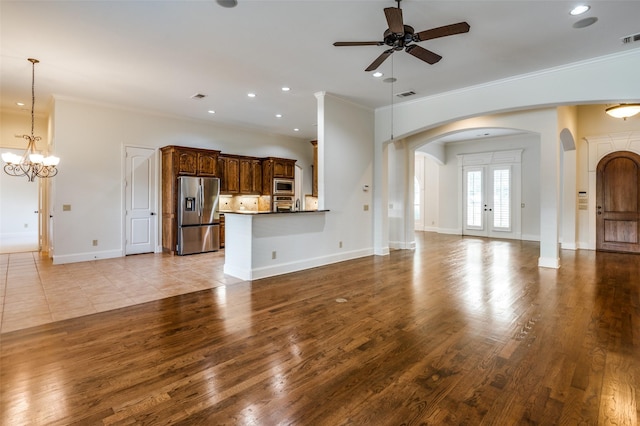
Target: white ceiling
x=154, y=55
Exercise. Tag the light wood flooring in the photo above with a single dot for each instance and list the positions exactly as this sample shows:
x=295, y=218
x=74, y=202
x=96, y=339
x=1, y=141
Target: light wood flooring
x=459, y=331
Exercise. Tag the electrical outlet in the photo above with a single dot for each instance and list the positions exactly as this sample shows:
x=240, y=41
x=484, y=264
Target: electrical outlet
x=95, y=243
x=366, y=207
x=273, y=254
x=340, y=244
x=66, y=207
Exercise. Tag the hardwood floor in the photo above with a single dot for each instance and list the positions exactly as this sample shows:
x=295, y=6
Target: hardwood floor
x=459, y=331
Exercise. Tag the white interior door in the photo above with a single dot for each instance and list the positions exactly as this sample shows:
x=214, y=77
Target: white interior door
x=140, y=203
x=488, y=201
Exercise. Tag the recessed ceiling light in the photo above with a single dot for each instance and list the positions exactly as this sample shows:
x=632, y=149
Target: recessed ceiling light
x=296, y=130
x=390, y=80
x=278, y=115
x=377, y=74
x=286, y=89
x=20, y=103
x=251, y=95
x=579, y=10
x=211, y=111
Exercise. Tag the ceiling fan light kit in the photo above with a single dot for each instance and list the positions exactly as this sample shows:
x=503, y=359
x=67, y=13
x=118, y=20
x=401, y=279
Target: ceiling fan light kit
x=401, y=37
x=623, y=111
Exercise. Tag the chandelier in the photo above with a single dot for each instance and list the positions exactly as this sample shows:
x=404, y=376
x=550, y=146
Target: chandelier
x=31, y=164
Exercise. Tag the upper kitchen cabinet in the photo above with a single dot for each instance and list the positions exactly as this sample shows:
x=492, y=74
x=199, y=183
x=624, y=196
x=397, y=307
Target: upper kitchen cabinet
x=183, y=161
x=229, y=171
x=240, y=174
x=250, y=175
x=208, y=163
x=283, y=168
x=273, y=167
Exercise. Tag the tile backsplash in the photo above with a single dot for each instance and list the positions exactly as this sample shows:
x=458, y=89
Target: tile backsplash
x=252, y=203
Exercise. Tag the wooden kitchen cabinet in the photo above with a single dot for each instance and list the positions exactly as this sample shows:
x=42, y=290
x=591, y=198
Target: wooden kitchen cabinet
x=283, y=168
x=273, y=167
x=208, y=164
x=180, y=161
x=250, y=175
x=184, y=161
x=229, y=166
x=240, y=174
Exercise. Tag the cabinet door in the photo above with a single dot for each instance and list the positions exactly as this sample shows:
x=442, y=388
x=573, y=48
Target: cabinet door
x=267, y=176
x=232, y=175
x=279, y=168
x=289, y=169
x=187, y=163
x=246, y=176
x=207, y=164
x=222, y=174
x=256, y=167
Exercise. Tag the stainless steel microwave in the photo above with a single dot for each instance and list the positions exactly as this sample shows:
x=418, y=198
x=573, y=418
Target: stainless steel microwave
x=283, y=186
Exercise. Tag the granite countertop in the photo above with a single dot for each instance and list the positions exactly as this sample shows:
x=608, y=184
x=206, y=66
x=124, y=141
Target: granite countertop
x=270, y=212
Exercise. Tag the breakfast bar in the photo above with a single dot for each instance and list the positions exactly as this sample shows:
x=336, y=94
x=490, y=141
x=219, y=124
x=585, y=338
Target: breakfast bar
x=264, y=244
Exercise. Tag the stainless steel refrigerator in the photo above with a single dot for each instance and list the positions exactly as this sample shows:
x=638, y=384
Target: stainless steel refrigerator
x=198, y=217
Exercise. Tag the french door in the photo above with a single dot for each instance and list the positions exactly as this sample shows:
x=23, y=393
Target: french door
x=488, y=201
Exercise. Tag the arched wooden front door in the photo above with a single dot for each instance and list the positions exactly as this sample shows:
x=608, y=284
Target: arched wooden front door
x=618, y=202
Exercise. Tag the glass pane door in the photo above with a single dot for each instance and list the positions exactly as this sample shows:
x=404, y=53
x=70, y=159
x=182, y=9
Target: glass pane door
x=487, y=201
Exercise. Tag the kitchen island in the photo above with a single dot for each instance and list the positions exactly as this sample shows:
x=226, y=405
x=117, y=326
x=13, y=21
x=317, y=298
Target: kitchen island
x=263, y=244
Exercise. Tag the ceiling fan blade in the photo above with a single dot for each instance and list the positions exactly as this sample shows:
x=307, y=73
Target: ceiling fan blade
x=422, y=53
x=394, y=19
x=358, y=43
x=447, y=30
x=379, y=60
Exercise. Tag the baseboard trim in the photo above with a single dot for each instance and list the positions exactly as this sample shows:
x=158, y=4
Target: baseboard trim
x=85, y=257
x=285, y=268
x=549, y=262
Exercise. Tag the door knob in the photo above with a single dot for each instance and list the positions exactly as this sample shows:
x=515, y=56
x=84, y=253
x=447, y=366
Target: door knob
x=153, y=214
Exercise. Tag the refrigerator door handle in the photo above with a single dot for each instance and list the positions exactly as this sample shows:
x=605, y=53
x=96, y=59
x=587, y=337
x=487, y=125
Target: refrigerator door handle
x=201, y=200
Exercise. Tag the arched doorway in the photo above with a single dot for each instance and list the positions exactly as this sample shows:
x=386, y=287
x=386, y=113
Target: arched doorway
x=618, y=202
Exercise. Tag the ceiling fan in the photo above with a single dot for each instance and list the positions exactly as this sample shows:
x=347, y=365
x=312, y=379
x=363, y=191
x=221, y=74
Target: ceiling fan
x=400, y=36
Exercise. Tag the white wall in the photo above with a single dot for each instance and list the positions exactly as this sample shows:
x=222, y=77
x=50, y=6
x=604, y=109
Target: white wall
x=90, y=141
x=428, y=174
x=345, y=166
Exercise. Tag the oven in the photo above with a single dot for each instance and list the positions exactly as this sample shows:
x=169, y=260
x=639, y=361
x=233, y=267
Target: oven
x=283, y=187
x=282, y=203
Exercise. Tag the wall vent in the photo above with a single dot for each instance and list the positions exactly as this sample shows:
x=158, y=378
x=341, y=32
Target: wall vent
x=631, y=38
x=198, y=96
x=405, y=94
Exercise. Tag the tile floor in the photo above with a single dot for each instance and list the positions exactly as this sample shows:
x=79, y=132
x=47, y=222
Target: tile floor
x=33, y=291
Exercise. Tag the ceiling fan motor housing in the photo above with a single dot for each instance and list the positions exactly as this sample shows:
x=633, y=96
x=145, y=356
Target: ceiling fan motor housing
x=398, y=41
